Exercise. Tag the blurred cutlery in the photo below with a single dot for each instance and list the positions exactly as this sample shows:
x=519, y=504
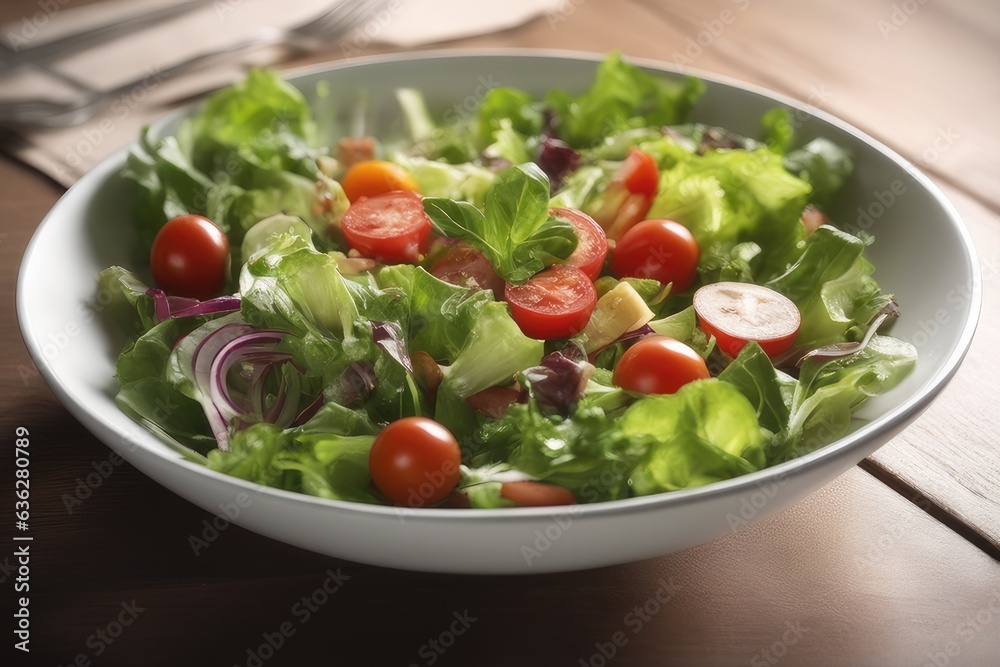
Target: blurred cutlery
x=69, y=44
x=321, y=31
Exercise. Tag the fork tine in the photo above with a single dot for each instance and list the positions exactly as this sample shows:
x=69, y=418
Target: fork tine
x=81, y=40
x=341, y=18
x=327, y=29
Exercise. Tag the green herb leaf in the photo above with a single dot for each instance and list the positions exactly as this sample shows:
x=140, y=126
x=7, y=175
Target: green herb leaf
x=516, y=232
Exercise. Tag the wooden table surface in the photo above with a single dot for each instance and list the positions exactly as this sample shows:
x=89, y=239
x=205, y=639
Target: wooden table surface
x=894, y=563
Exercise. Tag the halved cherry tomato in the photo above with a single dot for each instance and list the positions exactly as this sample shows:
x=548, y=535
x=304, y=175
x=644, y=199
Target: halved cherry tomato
x=465, y=266
x=536, y=494
x=663, y=250
x=659, y=365
x=371, y=178
x=415, y=461
x=390, y=228
x=629, y=195
x=592, y=246
x=736, y=313
x=554, y=303
x=640, y=173
x=190, y=257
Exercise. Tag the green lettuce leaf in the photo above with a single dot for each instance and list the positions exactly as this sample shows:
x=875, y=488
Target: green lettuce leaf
x=121, y=297
x=176, y=419
x=706, y=432
x=463, y=182
x=325, y=457
x=768, y=390
x=728, y=197
x=259, y=125
x=805, y=414
x=168, y=185
x=337, y=419
x=291, y=286
x=509, y=145
x=331, y=466
x=508, y=107
x=494, y=352
x=824, y=165
x=247, y=153
x=682, y=326
x=148, y=394
x=439, y=317
x=622, y=96
x=251, y=456
x=582, y=187
x=149, y=354
x=453, y=142
x=586, y=453
x=832, y=285
x=829, y=392
x=777, y=130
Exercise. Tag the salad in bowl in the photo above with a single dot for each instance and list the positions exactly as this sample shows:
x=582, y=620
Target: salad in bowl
x=525, y=301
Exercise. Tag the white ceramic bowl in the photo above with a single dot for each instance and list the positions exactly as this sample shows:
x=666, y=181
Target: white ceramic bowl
x=922, y=253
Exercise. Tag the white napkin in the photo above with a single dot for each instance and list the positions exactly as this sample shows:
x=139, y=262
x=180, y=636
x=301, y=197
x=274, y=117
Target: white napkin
x=66, y=153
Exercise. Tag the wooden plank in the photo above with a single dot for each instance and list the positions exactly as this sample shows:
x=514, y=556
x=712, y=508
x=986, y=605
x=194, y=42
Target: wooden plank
x=950, y=453
x=924, y=83
x=854, y=574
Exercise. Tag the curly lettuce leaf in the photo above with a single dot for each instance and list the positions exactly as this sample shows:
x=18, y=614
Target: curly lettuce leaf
x=259, y=125
x=728, y=197
x=248, y=153
x=251, y=455
x=325, y=457
x=508, y=107
x=494, y=352
x=439, y=316
x=330, y=466
x=622, y=96
x=824, y=165
x=706, y=432
x=586, y=453
x=291, y=286
x=777, y=130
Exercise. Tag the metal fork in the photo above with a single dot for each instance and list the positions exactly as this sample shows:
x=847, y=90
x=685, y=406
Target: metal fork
x=60, y=48
x=321, y=31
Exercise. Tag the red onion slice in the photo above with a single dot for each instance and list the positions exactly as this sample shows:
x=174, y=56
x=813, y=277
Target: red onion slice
x=168, y=307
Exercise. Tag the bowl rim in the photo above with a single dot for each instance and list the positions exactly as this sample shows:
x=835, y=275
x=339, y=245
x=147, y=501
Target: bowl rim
x=909, y=408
